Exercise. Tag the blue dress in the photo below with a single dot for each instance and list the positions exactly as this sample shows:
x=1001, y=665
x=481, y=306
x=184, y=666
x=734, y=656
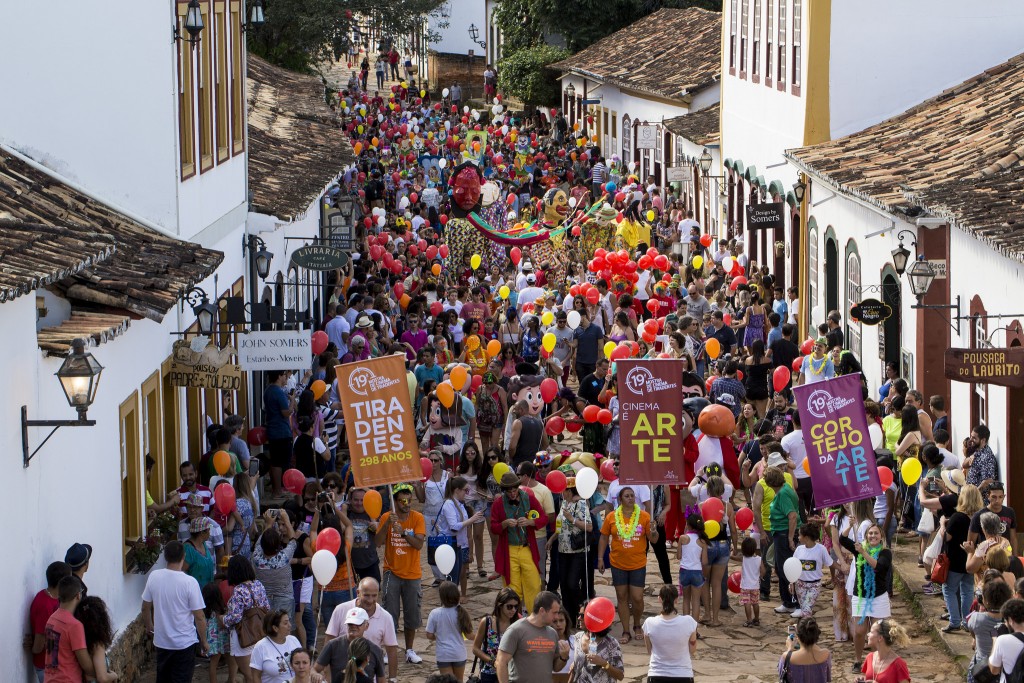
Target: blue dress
x=754, y=329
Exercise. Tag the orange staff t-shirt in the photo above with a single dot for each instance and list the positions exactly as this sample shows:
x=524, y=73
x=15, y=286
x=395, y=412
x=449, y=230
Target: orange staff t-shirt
x=400, y=558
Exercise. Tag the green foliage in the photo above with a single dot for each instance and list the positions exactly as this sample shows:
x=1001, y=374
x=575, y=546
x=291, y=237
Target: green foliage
x=298, y=34
x=523, y=23
x=524, y=74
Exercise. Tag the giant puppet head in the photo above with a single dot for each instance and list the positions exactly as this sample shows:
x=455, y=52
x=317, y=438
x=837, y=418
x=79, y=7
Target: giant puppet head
x=465, y=182
x=556, y=206
x=440, y=417
x=527, y=388
x=717, y=424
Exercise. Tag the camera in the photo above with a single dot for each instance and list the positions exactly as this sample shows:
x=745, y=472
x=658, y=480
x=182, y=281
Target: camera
x=322, y=497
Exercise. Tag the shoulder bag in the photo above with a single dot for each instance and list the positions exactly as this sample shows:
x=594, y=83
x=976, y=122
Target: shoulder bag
x=435, y=540
x=250, y=628
x=784, y=674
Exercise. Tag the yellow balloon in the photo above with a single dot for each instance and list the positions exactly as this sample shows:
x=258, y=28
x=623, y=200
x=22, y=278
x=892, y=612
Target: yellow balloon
x=910, y=470
x=503, y=291
x=513, y=137
x=547, y=318
x=548, y=341
x=698, y=261
x=423, y=93
x=712, y=528
x=445, y=394
x=499, y=470
x=359, y=128
x=474, y=261
x=405, y=84
x=650, y=215
x=579, y=142
x=608, y=348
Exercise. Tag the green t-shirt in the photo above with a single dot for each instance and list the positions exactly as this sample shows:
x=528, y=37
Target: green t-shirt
x=784, y=502
x=892, y=427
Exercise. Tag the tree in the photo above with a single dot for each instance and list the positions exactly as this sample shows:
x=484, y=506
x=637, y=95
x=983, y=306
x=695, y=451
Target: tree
x=525, y=74
x=299, y=34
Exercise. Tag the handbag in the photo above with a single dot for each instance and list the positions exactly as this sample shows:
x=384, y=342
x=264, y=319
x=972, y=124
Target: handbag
x=435, y=541
x=980, y=672
x=784, y=674
x=940, y=569
x=473, y=677
x=927, y=523
x=933, y=549
x=250, y=628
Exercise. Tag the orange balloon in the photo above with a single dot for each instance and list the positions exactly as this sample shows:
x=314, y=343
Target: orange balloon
x=372, y=503
x=473, y=343
x=806, y=465
x=493, y=348
x=404, y=301
x=458, y=377
x=222, y=462
x=445, y=394
x=436, y=269
x=713, y=347
x=716, y=420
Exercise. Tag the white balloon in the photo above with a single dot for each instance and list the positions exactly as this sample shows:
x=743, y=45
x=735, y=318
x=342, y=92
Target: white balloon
x=476, y=116
x=465, y=110
x=444, y=557
x=495, y=101
x=632, y=166
x=504, y=130
x=586, y=481
x=445, y=92
x=416, y=129
x=441, y=163
x=728, y=262
x=447, y=125
x=380, y=117
x=572, y=202
x=792, y=569
x=404, y=202
x=573, y=319
x=875, y=432
x=324, y=565
x=382, y=221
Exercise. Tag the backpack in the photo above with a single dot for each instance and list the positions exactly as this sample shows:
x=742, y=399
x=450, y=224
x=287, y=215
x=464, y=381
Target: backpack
x=1016, y=674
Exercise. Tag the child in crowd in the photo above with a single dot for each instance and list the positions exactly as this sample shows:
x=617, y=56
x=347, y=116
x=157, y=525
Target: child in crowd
x=693, y=558
x=449, y=625
x=750, y=581
x=218, y=638
x=813, y=558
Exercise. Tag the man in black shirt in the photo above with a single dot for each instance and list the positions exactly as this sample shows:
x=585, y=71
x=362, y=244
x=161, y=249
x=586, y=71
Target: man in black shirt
x=784, y=351
x=835, y=332
x=723, y=333
x=996, y=495
x=592, y=384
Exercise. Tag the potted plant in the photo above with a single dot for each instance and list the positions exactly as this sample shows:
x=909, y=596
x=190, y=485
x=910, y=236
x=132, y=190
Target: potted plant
x=165, y=526
x=143, y=554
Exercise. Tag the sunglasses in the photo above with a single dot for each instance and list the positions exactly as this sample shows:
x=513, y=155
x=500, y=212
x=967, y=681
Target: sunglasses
x=333, y=486
x=511, y=607
x=492, y=457
x=434, y=460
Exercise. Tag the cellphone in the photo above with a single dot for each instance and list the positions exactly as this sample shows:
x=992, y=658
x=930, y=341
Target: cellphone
x=273, y=513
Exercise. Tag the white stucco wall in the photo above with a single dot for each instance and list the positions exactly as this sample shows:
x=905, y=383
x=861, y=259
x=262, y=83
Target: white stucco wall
x=455, y=37
x=874, y=54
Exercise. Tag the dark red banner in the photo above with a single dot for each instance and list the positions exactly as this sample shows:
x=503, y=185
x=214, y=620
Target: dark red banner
x=650, y=409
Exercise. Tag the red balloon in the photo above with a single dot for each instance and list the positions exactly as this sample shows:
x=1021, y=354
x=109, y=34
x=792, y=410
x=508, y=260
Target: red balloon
x=426, y=467
x=713, y=509
x=422, y=244
x=600, y=253
x=320, y=342
x=620, y=352
x=661, y=262
x=604, y=416
x=294, y=481
x=885, y=477
x=257, y=436
x=436, y=308
x=644, y=262
x=599, y=615
x=226, y=499
x=431, y=252
x=593, y=296
x=574, y=426
x=780, y=378
x=555, y=481
x=574, y=291
x=652, y=305
x=744, y=518
x=554, y=426
x=806, y=346
x=399, y=289
x=705, y=240
x=329, y=539
x=797, y=364
x=548, y=390
x=476, y=382
x=516, y=254
x=727, y=319
x=652, y=252
x=413, y=197
x=443, y=218
x=590, y=413
x=608, y=472
x=739, y=375
x=734, y=582
x=648, y=337
x=442, y=251
x=376, y=252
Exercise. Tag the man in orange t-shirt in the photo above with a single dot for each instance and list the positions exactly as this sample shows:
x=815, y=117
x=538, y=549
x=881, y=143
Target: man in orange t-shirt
x=628, y=528
x=402, y=534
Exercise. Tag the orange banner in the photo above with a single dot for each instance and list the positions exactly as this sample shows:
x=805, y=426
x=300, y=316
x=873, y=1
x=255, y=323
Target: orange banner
x=379, y=421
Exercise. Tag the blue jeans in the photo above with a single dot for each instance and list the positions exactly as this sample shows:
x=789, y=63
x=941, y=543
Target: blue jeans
x=309, y=623
x=958, y=606
x=329, y=600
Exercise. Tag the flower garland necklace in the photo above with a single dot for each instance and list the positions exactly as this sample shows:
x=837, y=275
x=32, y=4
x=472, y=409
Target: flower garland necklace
x=820, y=367
x=866, y=578
x=624, y=530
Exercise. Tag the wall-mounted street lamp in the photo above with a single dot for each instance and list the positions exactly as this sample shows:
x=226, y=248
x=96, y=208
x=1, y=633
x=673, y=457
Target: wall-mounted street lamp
x=193, y=24
x=570, y=91
x=474, y=35
x=920, y=276
x=256, y=18
x=261, y=258
x=205, y=312
x=79, y=377
x=799, y=189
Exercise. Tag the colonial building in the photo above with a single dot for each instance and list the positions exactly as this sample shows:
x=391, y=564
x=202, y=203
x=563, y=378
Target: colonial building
x=941, y=183
x=797, y=73
x=621, y=89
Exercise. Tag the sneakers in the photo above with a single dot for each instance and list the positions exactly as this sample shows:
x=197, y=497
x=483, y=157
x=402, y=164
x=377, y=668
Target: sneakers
x=782, y=609
x=931, y=589
x=797, y=614
x=949, y=628
x=412, y=657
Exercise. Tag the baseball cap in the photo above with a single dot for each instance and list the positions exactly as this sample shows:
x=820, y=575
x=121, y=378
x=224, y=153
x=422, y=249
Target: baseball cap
x=531, y=278
x=356, y=616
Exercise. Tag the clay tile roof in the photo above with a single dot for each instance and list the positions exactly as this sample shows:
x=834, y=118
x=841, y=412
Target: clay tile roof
x=148, y=270
x=971, y=130
x=93, y=326
x=699, y=127
x=990, y=207
x=296, y=145
x=34, y=255
x=671, y=53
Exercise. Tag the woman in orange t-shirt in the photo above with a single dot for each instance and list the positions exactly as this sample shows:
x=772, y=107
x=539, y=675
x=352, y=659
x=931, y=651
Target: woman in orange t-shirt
x=628, y=528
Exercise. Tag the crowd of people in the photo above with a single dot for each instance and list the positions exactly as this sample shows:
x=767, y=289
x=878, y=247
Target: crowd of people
x=511, y=353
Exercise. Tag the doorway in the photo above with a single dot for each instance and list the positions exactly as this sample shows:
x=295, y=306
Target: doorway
x=831, y=276
x=889, y=340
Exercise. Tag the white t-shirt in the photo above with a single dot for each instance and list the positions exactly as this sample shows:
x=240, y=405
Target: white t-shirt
x=685, y=225
x=381, y=631
x=812, y=560
x=670, y=650
x=271, y=659
x=642, y=491
x=794, y=306
x=641, y=286
x=750, y=573
x=950, y=461
x=529, y=295
x=793, y=444
x=1004, y=653
x=175, y=595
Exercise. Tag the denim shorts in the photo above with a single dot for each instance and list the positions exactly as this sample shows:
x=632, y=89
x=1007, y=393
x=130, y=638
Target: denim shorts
x=633, y=577
x=692, y=578
x=451, y=665
x=718, y=552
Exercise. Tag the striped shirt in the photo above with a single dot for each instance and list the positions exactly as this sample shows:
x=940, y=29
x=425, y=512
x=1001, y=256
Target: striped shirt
x=597, y=173
x=330, y=434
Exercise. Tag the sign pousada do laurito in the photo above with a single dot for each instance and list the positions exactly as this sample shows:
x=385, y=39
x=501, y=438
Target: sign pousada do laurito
x=1004, y=367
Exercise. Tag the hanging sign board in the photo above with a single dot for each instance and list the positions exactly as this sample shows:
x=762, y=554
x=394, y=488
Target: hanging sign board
x=679, y=174
x=210, y=369
x=319, y=257
x=262, y=351
x=647, y=137
x=871, y=311
x=766, y=216
x=1004, y=367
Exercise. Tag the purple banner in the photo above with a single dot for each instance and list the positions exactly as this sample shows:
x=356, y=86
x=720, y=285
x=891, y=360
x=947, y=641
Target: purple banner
x=835, y=428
